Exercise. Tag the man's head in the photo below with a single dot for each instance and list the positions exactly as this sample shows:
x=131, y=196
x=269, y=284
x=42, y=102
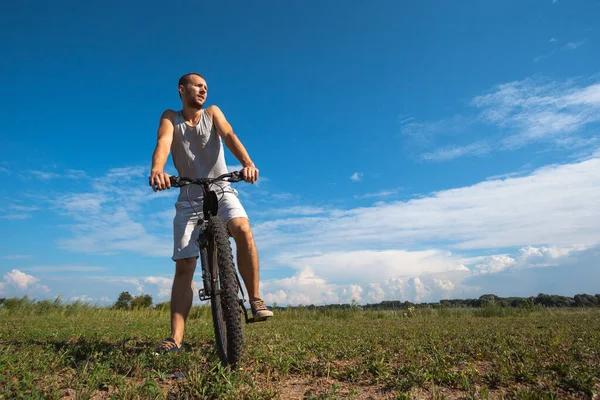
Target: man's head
x=193, y=90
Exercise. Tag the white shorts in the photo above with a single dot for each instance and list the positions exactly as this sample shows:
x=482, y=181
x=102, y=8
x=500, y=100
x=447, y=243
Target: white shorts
x=185, y=234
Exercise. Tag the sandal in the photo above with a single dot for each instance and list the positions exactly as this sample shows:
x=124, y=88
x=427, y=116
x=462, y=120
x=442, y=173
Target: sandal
x=167, y=346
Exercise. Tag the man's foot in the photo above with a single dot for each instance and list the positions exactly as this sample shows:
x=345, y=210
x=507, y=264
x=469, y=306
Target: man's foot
x=259, y=310
x=167, y=346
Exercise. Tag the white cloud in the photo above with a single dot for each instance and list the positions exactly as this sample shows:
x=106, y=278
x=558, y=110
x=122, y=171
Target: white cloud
x=424, y=133
x=545, y=256
x=539, y=110
x=282, y=196
x=350, y=266
x=450, y=153
x=2, y=285
x=520, y=113
x=83, y=298
x=570, y=274
x=43, y=288
x=115, y=232
x=354, y=292
x=494, y=264
x=575, y=45
x=546, y=55
x=339, y=248
x=382, y=193
x=514, y=212
x=303, y=288
x=125, y=174
x=19, y=279
x=280, y=297
x=84, y=203
x=110, y=219
x=356, y=177
x=523, y=171
x=164, y=285
x=76, y=174
x=308, y=286
x=44, y=175
x=445, y=285
x=376, y=293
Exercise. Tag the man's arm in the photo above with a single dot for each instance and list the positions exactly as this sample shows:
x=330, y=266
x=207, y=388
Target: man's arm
x=158, y=179
x=224, y=129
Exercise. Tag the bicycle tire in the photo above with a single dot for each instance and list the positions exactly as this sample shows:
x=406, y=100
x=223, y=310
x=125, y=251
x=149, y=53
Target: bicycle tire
x=226, y=310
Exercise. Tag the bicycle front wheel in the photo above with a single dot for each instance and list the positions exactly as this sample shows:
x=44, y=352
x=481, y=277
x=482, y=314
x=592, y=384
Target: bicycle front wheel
x=226, y=309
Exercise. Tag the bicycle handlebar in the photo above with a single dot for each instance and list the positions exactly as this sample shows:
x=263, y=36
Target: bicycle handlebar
x=179, y=181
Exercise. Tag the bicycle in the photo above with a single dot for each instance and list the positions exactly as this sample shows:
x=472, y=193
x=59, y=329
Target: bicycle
x=219, y=276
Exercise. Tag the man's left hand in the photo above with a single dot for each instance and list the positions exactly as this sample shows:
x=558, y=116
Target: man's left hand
x=250, y=174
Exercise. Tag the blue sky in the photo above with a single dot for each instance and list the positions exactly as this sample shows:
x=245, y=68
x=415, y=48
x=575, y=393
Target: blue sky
x=407, y=151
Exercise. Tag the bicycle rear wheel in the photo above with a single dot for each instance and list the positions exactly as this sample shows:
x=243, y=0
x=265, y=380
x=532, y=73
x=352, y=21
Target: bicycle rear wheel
x=226, y=309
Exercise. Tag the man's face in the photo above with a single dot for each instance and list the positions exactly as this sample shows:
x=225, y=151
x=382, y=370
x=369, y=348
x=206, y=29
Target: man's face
x=194, y=92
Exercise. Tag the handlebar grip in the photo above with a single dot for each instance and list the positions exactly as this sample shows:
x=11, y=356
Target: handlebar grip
x=236, y=176
x=175, y=181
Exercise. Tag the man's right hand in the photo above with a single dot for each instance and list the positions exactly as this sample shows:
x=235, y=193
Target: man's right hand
x=158, y=180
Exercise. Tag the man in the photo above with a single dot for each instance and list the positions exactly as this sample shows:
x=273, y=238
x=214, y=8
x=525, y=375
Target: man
x=195, y=137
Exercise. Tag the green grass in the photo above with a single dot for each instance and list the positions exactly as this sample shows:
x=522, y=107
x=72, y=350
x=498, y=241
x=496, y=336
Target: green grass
x=55, y=351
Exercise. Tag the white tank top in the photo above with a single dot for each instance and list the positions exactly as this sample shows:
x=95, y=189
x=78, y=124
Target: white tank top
x=197, y=152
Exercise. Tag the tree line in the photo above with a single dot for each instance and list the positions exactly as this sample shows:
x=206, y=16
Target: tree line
x=546, y=300
x=126, y=301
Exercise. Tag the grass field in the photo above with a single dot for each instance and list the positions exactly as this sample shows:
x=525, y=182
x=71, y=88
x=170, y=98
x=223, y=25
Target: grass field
x=80, y=352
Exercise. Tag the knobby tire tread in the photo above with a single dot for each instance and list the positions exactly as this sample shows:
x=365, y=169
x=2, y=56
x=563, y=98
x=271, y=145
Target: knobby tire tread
x=228, y=285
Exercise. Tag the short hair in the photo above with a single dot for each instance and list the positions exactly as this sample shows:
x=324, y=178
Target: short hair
x=185, y=79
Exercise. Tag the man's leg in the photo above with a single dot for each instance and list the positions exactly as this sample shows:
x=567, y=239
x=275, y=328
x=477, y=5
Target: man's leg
x=247, y=256
x=182, y=294
x=247, y=259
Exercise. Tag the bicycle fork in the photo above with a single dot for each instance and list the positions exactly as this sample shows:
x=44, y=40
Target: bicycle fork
x=204, y=293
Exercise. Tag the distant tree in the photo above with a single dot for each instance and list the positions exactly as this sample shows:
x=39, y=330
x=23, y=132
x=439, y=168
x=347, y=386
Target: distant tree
x=563, y=301
x=164, y=306
x=545, y=300
x=124, y=301
x=521, y=302
x=355, y=305
x=143, y=301
x=488, y=298
x=585, y=300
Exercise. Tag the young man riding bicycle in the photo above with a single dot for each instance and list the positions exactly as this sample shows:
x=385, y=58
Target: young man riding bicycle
x=194, y=136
